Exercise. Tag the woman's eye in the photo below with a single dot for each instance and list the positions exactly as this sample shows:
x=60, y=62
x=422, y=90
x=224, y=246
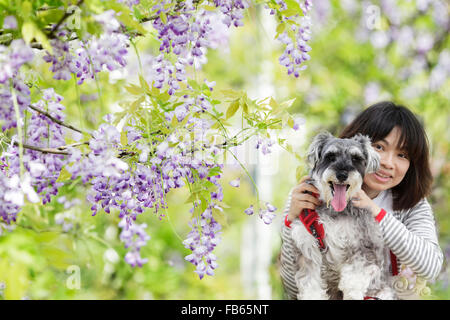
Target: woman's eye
x=403, y=155
x=377, y=146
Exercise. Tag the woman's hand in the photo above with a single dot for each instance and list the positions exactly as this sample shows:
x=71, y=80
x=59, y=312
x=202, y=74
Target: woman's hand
x=362, y=200
x=302, y=200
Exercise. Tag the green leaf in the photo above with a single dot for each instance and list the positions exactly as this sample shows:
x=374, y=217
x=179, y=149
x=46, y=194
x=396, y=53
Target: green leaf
x=126, y=18
x=273, y=104
x=144, y=84
x=26, y=10
x=220, y=217
x=123, y=138
x=64, y=175
x=280, y=29
x=287, y=104
x=194, y=84
x=163, y=17
x=30, y=31
x=290, y=122
x=134, y=89
x=137, y=13
x=245, y=107
x=208, y=7
x=288, y=147
x=214, y=171
x=232, y=94
x=293, y=8
x=174, y=121
x=232, y=109
x=134, y=106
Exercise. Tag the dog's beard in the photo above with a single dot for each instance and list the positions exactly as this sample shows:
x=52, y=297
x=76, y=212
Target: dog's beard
x=335, y=192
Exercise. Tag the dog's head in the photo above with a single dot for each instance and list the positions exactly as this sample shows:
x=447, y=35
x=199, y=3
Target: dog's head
x=338, y=166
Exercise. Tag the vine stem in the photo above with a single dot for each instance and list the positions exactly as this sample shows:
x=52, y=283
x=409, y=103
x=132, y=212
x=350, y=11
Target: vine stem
x=77, y=90
x=249, y=175
x=165, y=208
x=19, y=127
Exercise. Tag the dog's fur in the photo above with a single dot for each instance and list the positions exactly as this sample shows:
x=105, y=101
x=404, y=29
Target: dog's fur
x=354, y=263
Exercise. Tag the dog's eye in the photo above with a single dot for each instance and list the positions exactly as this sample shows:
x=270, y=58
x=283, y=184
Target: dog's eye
x=330, y=157
x=356, y=158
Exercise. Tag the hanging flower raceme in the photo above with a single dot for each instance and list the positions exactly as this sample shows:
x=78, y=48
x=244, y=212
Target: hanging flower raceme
x=86, y=58
x=11, y=60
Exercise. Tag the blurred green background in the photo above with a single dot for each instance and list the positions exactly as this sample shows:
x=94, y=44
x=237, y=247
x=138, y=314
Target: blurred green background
x=362, y=52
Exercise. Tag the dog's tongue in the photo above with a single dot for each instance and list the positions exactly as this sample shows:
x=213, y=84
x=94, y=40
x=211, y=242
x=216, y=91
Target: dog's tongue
x=338, y=201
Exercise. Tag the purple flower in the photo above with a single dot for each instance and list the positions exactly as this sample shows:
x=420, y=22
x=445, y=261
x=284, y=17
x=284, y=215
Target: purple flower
x=270, y=207
x=129, y=3
x=296, y=50
x=298, y=122
x=202, y=240
x=266, y=216
x=235, y=183
x=11, y=59
x=264, y=144
x=134, y=237
x=85, y=58
x=249, y=211
x=10, y=22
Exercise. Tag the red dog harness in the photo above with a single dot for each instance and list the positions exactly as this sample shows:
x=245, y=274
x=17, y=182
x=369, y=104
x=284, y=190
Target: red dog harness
x=310, y=220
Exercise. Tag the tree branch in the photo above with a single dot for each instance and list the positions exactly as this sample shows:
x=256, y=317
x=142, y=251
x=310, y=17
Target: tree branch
x=56, y=120
x=43, y=150
x=51, y=34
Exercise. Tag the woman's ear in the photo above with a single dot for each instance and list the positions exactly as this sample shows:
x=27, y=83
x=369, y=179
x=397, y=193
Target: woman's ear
x=316, y=147
x=373, y=158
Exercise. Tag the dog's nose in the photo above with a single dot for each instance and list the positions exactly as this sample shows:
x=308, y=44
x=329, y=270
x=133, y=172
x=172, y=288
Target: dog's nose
x=342, y=176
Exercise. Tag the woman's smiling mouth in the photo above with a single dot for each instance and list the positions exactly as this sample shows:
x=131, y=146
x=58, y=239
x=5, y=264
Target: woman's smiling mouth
x=382, y=176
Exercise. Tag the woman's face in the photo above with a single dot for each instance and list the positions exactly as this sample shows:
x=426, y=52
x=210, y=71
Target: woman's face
x=394, y=164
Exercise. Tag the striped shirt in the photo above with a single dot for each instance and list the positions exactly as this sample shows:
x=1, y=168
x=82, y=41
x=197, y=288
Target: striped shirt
x=410, y=234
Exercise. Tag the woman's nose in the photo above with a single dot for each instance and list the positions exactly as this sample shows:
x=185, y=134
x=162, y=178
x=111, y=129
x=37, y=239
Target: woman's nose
x=387, y=160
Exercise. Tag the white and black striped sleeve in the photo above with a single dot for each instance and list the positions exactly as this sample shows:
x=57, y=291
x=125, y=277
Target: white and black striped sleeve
x=288, y=257
x=414, y=240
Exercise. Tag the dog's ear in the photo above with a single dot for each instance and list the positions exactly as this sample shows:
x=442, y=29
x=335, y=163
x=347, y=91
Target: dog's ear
x=373, y=158
x=316, y=147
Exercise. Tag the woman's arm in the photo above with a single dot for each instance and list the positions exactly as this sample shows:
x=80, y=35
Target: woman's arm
x=288, y=257
x=415, y=241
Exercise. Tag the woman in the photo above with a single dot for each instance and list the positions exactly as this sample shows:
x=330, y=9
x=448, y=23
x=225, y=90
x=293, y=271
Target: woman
x=400, y=187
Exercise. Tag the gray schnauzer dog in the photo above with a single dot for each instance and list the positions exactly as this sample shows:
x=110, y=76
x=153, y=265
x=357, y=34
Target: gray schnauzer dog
x=354, y=263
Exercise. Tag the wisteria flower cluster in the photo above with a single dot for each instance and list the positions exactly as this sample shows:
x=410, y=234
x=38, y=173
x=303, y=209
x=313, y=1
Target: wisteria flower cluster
x=203, y=238
x=41, y=170
x=131, y=189
x=86, y=58
x=133, y=176
x=296, y=50
x=66, y=218
x=134, y=237
x=188, y=34
x=13, y=190
x=11, y=60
